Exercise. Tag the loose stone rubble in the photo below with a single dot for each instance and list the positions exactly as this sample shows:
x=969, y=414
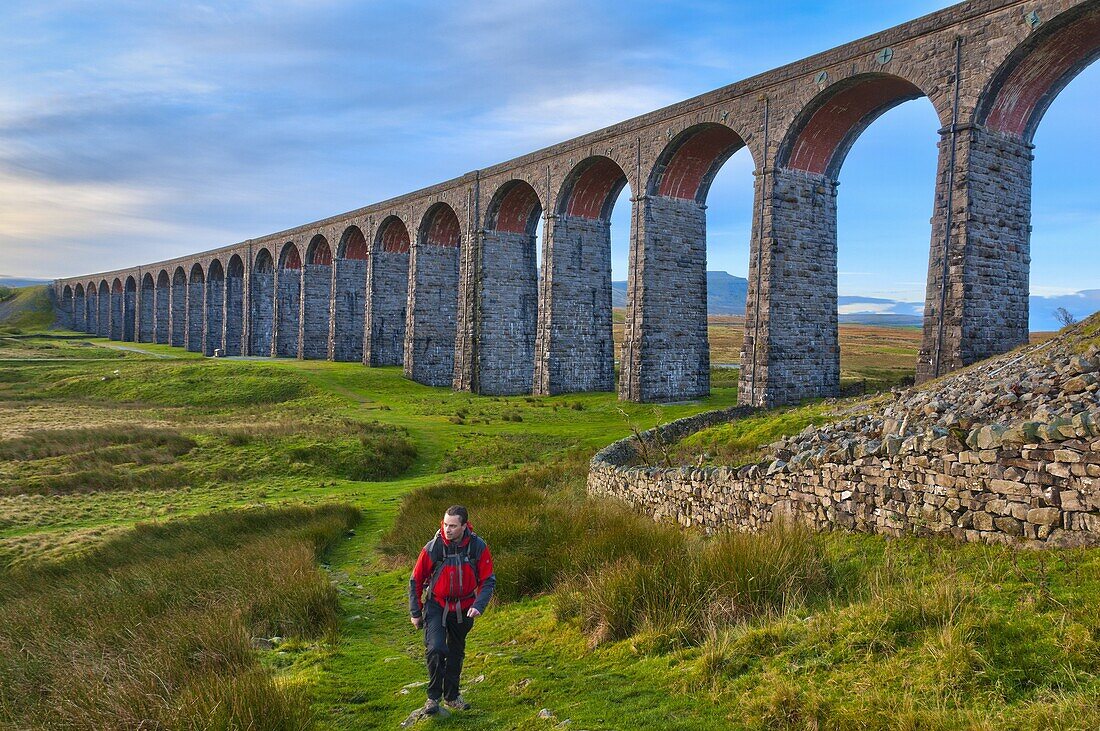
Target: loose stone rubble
x=1006, y=451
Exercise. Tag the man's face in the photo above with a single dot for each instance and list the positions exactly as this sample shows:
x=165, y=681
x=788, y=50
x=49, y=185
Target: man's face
x=453, y=527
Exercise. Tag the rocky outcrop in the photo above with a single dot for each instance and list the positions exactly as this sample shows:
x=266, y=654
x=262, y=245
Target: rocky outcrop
x=1007, y=451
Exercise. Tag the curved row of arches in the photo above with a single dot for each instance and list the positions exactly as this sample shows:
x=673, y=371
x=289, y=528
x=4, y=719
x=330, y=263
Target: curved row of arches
x=458, y=296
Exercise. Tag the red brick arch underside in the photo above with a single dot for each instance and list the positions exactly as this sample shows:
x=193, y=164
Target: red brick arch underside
x=515, y=209
x=393, y=236
x=1035, y=73
x=264, y=262
x=690, y=162
x=591, y=189
x=353, y=245
x=290, y=258
x=827, y=128
x=319, y=254
x=440, y=227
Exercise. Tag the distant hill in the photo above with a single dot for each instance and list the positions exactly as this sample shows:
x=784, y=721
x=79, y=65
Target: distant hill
x=725, y=294
x=881, y=320
x=6, y=281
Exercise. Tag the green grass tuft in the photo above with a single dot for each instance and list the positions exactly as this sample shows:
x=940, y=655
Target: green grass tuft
x=153, y=629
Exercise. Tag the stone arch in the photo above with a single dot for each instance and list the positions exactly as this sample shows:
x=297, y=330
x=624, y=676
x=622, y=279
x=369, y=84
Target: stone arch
x=179, y=308
x=433, y=298
x=349, y=281
x=129, y=309
x=316, y=299
x=146, y=308
x=514, y=208
x=386, y=309
x=234, y=306
x=288, y=303
x=1023, y=88
x=792, y=302
x=215, y=307
x=977, y=303
x=80, y=308
x=163, y=307
x=826, y=128
x=686, y=167
x=196, y=295
x=665, y=355
x=103, y=305
x=591, y=189
x=574, y=345
x=262, y=304
x=497, y=345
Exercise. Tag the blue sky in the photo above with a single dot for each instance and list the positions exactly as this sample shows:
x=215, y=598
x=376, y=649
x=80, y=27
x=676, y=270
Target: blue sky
x=132, y=132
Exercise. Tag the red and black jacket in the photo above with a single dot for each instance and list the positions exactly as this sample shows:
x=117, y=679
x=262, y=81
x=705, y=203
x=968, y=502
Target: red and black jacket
x=458, y=574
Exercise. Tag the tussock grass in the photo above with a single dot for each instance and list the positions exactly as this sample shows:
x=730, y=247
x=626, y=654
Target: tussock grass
x=699, y=586
x=153, y=629
x=113, y=458
x=56, y=442
x=614, y=570
x=538, y=524
x=177, y=384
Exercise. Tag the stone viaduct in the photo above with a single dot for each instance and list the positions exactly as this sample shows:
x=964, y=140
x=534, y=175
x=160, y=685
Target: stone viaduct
x=444, y=281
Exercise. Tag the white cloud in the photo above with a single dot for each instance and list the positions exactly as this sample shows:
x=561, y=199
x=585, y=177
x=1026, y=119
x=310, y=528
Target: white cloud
x=548, y=119
x=50, y=227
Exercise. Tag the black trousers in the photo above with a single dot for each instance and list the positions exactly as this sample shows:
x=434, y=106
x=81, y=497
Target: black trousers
x=444, y=649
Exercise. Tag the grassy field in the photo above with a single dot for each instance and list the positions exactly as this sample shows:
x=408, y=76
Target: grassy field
x=227, y=544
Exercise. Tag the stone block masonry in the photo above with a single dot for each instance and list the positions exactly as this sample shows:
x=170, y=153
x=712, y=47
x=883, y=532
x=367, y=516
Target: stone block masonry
x=162, y=317
x=215, y=314
x=575, y=350
x=288, y=306
x=350, y=281
x=666, y=354
x=1037, y=495
x=262, y=312
x=195, y=313
x=234, y=311
x=146, y=317
x=178, y=314
x=506, y=314
x=386, y=310
x=798, y=348
x=316, y=311
x=432, y=314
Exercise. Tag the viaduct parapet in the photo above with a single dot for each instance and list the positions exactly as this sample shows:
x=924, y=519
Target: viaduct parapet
x=443, y=281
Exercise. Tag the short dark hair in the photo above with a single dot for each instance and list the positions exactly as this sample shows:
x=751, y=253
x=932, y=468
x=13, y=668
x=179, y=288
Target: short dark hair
x=460, y=511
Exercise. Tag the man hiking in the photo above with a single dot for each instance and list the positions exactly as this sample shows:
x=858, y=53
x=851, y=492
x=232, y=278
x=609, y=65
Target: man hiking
x=457, y=569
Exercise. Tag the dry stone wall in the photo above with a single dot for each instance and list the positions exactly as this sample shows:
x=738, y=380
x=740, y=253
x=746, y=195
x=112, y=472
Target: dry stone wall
x=1009, y=452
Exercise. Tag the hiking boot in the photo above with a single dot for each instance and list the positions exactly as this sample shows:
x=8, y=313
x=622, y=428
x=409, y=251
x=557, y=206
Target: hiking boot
x=431, y=706
x=457, y=703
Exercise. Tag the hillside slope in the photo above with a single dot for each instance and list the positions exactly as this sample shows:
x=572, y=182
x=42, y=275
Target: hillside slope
x=26, y=308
